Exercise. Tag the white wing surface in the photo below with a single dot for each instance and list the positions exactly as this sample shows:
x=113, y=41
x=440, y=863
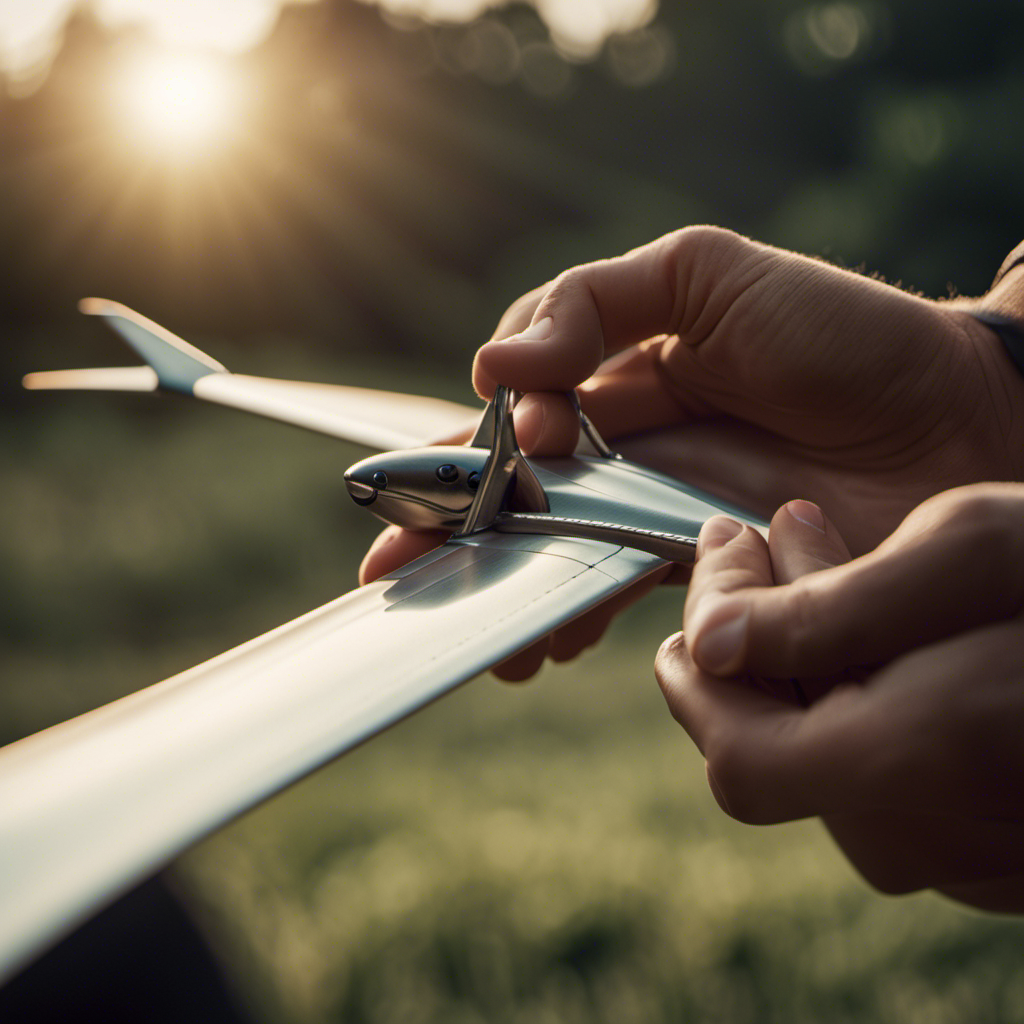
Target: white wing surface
x=377, y=419
x=103, y=378
x=89, y=807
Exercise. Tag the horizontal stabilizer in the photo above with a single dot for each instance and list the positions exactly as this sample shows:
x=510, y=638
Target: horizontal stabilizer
x=178, y=364
x=107, y=378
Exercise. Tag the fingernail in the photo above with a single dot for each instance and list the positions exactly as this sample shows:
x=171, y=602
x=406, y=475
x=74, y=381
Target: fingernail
x=535, y=332
x=807, y=513
x=716, y=533
x=719, y=634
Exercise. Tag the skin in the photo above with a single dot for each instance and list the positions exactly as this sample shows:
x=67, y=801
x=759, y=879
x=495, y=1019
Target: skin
x=912, y=654
x=761, y=375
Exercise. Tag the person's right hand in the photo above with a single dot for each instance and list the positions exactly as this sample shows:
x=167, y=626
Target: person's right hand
x=758, y=375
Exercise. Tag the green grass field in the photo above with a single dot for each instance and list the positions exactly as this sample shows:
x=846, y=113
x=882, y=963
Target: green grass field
x=547, y=853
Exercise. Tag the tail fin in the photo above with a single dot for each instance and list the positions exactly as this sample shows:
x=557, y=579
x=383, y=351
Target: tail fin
x=178, y=364
x=174, y=364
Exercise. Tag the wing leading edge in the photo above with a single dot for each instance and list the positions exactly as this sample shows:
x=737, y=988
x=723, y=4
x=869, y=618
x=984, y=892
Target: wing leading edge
x=377, y=419
x=89, y=807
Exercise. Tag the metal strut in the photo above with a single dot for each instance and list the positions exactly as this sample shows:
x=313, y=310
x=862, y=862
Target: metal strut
x=506, y=462
x=589, y=430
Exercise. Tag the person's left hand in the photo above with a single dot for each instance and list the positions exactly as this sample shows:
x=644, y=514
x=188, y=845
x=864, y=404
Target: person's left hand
x=913, y=659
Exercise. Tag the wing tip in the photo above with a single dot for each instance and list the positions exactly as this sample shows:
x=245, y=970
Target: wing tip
x=94, y=306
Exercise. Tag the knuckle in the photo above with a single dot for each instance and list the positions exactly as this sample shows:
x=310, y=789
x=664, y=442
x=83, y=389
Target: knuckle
x=572, y=281
x=706, y=239
x=709, y=255
x=570, y=641
x=972, y=507
x=987, y=522
x=708, y=270
x=668, y=651
x=742, y=561
x=977, y=507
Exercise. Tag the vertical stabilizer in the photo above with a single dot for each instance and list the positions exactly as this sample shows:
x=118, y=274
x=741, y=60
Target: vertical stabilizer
x=178, y=364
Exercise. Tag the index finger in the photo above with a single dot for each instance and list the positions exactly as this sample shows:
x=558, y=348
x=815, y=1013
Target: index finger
x=951, y=566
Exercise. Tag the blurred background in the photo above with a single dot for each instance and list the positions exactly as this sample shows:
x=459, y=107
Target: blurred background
x=353, y=192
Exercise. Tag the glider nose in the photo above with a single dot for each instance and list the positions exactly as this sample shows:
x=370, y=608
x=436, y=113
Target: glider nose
x=361, y=494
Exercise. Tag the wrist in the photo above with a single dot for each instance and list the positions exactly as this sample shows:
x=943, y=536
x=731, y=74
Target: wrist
x=994, y=325
x=1004, y=377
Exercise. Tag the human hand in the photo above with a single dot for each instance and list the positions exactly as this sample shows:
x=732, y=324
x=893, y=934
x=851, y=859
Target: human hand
x=787, y=376
x=395, y=546
x=756, y=374
x=915, y=764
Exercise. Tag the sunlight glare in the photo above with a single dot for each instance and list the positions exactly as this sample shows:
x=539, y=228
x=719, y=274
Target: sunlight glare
x=579, y=28
x=228, y=26
x=29, y=34
x=178, y=103
x=31, y=31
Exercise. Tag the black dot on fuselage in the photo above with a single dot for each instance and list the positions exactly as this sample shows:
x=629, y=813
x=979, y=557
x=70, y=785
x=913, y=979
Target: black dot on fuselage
x=447, y=473
x=380, y=479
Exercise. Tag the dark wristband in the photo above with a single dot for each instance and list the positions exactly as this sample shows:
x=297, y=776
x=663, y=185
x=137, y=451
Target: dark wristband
x=1010, y=331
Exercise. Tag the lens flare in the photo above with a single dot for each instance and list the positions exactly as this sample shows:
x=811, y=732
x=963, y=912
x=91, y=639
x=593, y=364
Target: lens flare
x=181, y=105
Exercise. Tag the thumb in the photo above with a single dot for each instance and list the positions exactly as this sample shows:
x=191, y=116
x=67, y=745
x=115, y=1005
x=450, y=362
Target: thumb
x=802, y=541
x=733, y=564
x=952, y=565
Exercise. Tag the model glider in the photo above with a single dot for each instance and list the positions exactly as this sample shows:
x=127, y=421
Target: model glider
x=92, y=806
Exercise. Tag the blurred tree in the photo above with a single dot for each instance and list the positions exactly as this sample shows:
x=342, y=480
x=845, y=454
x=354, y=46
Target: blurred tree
x=393, y=183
